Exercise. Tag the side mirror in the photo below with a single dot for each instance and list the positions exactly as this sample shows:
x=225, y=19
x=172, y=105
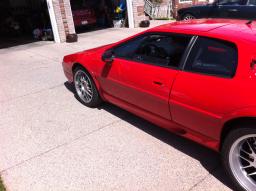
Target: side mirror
x=108, y=56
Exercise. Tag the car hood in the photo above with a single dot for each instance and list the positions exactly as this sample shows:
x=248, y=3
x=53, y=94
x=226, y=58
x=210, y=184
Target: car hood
x=94, y=50
x=73, y=57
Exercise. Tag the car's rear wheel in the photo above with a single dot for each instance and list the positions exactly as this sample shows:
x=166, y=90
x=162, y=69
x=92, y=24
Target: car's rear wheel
x=85, y=88
x=239, y=157
x=188, y=16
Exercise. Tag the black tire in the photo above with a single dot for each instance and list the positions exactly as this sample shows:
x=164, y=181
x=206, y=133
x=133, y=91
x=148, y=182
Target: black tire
x=188, y=16
x=230, y=141
x=95, y=99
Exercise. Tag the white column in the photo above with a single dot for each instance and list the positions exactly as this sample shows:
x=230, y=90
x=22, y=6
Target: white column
x=130, y=13
x=53, y=21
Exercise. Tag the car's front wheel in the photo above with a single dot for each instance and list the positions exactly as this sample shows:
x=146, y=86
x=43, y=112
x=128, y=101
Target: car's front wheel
x=85, y=88
x=188, y=16
x=239, y=157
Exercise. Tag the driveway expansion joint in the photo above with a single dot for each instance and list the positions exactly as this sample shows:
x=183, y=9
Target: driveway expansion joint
x=32, y=93
x=60, y=146
x=201, y=180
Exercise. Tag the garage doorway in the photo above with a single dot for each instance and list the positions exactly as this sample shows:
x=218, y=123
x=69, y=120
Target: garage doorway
x=24, y=21
x=91, y=15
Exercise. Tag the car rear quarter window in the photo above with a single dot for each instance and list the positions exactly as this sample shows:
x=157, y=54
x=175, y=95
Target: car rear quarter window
x=213, y=57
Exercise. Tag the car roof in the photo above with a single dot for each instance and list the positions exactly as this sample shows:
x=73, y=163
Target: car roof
x=227, y=29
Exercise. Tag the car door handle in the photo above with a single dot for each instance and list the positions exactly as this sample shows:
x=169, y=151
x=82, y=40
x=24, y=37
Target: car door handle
x=232, y=10
x=157, y=83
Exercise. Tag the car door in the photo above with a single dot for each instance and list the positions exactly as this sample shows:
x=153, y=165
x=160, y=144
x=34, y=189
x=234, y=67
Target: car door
x=148, y=66
x=229, y=9
x=206, y=89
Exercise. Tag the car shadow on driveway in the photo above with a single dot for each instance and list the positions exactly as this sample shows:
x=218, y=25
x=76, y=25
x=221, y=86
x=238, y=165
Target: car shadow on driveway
x=209, y=159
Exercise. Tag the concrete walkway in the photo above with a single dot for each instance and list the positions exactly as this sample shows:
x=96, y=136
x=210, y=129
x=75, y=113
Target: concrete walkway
x=49, y=141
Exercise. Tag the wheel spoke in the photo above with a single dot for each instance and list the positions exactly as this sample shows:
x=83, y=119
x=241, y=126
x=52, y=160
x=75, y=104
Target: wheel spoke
x=250, y=147
x=247, y=160
x=246, y=152
x=244, y=167
x=86, y=95
x=89, y=94
x=252, y=174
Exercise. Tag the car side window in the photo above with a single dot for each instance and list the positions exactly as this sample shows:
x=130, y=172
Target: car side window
x=232, y=2
x=127, y=49
x=213, y=57
x=157, y=49
x=252, y=2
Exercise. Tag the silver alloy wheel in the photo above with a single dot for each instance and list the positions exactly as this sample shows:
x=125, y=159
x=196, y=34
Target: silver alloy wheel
x=188, y=17
x=83, y=86
x=242, y=161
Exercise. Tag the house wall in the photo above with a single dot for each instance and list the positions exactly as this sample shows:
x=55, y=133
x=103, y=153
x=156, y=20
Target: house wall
x=64, y=18
x=138, y=11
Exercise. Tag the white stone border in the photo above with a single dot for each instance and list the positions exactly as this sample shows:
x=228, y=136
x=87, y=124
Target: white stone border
x=130, y=13
x=53, y=21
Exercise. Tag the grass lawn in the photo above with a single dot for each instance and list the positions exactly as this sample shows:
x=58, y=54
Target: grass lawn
x=2, y=188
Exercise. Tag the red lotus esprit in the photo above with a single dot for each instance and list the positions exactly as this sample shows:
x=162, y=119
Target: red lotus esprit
x=195, y=78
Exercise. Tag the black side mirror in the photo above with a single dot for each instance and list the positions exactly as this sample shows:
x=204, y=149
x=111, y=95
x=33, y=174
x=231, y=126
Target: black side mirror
x=108, y=56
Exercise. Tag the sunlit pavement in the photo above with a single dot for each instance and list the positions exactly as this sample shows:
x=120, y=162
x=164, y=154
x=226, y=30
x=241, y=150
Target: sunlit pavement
x=50, y=141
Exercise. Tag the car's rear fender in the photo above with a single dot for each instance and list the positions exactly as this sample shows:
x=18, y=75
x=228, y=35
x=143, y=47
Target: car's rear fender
x=237, y=119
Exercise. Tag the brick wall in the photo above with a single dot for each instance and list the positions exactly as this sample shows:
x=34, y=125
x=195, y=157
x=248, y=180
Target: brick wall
x=138, y=11
x=69, y=17
x=64, y=18
x=59, y=21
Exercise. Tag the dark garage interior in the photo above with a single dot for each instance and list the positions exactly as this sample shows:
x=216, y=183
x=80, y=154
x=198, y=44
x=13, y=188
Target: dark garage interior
x=97, y=14
x=24, y=21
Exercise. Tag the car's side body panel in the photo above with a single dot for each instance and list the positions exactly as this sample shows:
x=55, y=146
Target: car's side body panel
x=149, y=91
x=200, y=11
x=203, y=103
x=193, y=105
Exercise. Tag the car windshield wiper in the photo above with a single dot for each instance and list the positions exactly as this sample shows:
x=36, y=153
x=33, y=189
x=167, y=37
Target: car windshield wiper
x=250, y=22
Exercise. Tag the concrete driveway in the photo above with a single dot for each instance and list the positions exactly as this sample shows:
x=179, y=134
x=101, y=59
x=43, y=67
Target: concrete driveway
x=50, y=141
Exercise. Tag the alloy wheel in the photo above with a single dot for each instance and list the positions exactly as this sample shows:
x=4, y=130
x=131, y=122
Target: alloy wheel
x=242, y=160
x=83, y=86
x=188, y=17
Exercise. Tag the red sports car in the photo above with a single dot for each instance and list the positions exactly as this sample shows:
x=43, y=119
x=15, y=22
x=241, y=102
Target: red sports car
x=195, y=78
